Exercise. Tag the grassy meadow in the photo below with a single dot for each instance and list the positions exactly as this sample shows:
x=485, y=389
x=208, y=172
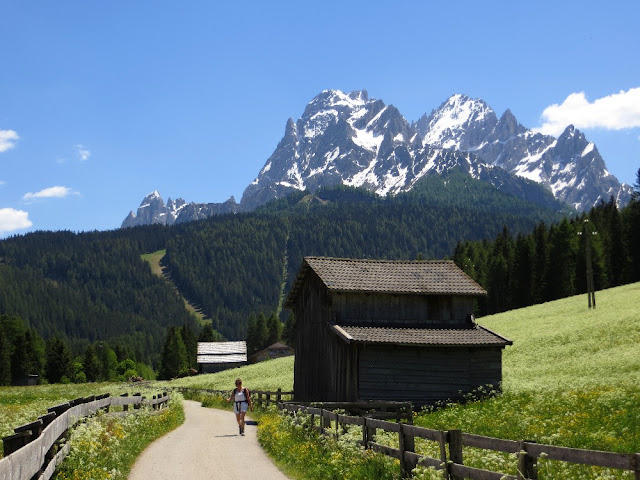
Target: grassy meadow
x=571, y=378
x=21, y=405
x=103, y=447
x=267, y=376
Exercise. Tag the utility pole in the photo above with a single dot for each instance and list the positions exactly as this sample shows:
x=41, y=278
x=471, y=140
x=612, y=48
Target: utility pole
x=588, y=232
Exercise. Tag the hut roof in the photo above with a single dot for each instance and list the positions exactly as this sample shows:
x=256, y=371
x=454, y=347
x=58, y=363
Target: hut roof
x=433, y=277
x=222, y=358
x=222, y=352
x=468, y=337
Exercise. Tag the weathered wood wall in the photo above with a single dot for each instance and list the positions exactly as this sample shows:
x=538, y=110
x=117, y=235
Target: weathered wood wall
x=424, y=375
x=382, y=309
x=324, y=366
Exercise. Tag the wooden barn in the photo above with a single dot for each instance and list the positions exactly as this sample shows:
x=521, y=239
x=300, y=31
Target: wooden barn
x=217, y=356
x=389, y=330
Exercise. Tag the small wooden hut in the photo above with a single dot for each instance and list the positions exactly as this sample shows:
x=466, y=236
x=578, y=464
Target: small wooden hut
x=276, y=350
x=217, y=356
x=389, y=330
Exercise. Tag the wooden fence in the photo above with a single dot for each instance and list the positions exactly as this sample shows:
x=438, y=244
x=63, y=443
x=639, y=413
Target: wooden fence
x=259, y=397
x=35, y=449
x=451, y=442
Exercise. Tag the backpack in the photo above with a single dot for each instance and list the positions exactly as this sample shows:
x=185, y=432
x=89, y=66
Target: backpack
x=245, y=390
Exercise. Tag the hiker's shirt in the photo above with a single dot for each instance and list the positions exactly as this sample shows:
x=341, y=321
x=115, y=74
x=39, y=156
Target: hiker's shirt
x=241, y=401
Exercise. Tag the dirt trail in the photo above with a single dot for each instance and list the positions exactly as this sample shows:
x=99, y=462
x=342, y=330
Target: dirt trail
x=206, y=446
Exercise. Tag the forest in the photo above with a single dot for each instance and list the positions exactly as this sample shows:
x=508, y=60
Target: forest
x=93, y=290
x=550, y=262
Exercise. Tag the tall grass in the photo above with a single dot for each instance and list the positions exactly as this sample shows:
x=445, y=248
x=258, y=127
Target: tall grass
x=21, y=405
x=571, y=378
x=106, y=446
x=268, y=376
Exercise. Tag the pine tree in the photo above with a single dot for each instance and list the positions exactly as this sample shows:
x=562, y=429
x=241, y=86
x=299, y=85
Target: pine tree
x=540, y=263
x=28, y=357
x=206, y=334
x=191, y=345
x=562, y=254
x=262, y=332
x=252, y=337
x=631, y=233
x=523, y=272
x=289, y=332
x=91, y=364
x=59, y=360
x=274, y=328
x=5, y=358
x=173, y=361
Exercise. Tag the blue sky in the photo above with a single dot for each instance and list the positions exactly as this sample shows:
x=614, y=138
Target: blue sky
x=104, y=102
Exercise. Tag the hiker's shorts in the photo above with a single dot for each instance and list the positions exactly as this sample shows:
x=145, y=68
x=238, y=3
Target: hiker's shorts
x=239, y=407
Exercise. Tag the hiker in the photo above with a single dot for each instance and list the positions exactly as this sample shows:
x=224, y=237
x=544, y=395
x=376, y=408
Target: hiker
x=242, y=398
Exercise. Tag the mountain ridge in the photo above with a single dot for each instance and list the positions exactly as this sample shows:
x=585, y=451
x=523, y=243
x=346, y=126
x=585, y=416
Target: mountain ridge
x=354, y=140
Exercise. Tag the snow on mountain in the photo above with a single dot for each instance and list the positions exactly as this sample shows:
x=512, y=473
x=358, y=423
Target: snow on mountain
x=569, y=166
x=352, y=139
x=355, y=140
x=347, y=139
x=152, y=210
x=459, y=123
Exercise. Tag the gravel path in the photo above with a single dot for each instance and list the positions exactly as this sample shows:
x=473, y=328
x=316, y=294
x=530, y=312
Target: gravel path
x=206, y=446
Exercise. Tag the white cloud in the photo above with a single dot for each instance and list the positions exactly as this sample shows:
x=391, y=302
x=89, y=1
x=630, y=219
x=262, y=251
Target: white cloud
x=614, y=112
x=83, y=152
x=7, y=139
x=51, y=192
x=12, y=219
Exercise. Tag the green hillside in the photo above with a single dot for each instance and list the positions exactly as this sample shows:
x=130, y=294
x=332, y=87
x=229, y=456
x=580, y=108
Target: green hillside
x=571, y=378
x=97, y=286
x=565, y=345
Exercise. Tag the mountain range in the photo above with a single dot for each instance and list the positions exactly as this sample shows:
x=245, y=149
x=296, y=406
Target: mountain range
x=351, y=139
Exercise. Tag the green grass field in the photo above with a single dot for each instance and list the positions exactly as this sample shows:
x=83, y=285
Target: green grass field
x=267, y=376
x=21, y=405
x=571, y=378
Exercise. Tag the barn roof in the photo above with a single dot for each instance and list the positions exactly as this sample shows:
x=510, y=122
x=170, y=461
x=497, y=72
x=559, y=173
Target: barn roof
x=467, y=337
x=433, y=277
x=222, y=352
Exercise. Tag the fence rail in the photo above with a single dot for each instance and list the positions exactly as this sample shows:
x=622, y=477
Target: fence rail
x=261, y=397
x=35, y=449
x=451, y=443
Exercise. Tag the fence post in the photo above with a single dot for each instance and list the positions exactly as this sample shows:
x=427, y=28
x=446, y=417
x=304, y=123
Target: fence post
x=279, y=395
x=455, y=449
x=443, y=454
x=125, y=408
x=370, y=432
x=526, y=463
x=635, y=463
x=406, y=443
x=365, y=433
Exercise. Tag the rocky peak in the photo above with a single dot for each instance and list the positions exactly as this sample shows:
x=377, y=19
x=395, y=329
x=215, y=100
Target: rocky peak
x=571, y=142
x=459, y=123
x=507, y=127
